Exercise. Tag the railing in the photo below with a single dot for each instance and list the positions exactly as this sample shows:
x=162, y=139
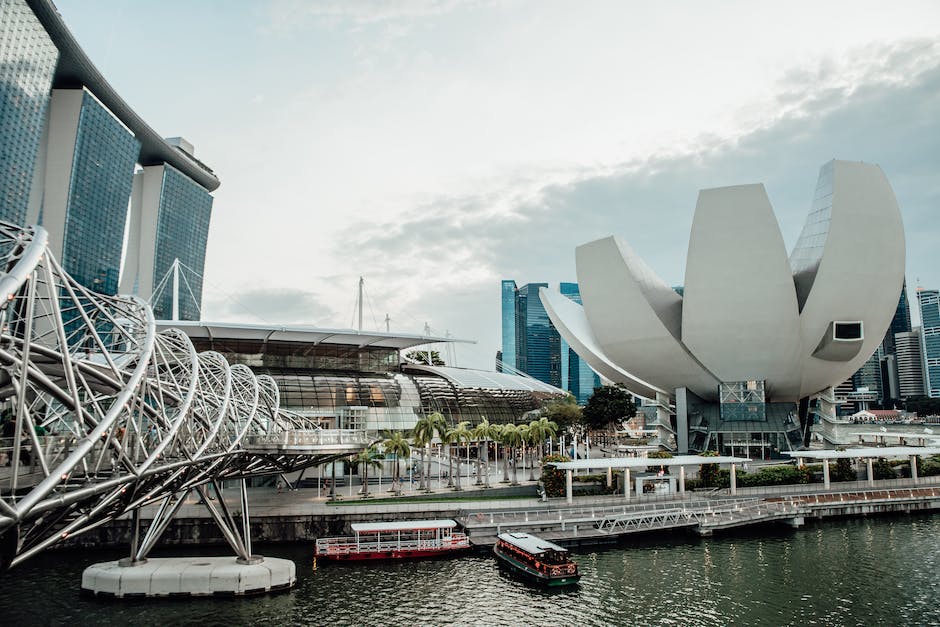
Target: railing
x=836, y=486
x=349, y=545
x=310, y=437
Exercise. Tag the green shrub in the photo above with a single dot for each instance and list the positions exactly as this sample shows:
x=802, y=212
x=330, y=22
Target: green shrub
x=881, y=469
x=842, y=470
x=552, y=478
x=708, y=473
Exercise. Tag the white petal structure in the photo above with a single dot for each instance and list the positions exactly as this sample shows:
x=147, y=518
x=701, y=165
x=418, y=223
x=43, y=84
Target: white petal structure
x=800, y=324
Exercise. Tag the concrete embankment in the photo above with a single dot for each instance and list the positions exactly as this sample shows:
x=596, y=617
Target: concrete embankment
x=302, y=516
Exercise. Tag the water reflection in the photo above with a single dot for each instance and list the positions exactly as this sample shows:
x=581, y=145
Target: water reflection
x=851, y=572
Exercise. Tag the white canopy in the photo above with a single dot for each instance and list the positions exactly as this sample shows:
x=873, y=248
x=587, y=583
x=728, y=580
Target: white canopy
x=402, y=525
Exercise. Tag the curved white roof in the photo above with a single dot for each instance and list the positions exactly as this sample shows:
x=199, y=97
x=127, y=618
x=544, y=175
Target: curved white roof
x=301, y=334
x=800, y=324
x=468, y=378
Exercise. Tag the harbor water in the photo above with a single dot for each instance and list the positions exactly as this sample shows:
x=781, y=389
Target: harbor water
x=850, y=572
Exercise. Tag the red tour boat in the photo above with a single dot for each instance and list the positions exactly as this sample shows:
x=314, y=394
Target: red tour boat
x=394, y=540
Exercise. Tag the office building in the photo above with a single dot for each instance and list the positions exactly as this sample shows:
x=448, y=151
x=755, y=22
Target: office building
x=539, y=351
x=929, y=302
x=70, y=149
x=577, y=376
x=910, y=364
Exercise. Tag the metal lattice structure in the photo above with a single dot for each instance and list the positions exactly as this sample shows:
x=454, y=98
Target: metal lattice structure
x=102, y=414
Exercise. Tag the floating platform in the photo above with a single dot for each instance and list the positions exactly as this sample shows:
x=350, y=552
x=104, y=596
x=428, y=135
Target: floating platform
x=189, y=576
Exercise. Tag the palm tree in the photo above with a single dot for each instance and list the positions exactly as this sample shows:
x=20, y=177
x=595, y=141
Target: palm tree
x=426, y=428
x=484, y=432
x=457, y=435
x=522, y=442
x=507, y=434
x=539, y=430
x=365, y=459
x=397, y=445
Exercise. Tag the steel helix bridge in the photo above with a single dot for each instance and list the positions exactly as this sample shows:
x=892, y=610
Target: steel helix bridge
x=101, y=414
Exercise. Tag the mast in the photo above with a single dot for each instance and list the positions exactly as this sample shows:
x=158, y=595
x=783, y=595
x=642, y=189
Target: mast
x=175, y=315
x=360, y=303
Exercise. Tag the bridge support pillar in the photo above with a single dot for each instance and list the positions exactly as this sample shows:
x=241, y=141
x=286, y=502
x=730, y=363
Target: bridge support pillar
x=626, y=484
x=914, y=468
x=681, y=479
x=734, y=479
x=610, y=476
x=871, y=472
x=796, y=522
x=826, y=483
x=569, y=495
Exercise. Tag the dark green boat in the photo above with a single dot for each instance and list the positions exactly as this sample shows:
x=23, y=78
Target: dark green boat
x=536, y=560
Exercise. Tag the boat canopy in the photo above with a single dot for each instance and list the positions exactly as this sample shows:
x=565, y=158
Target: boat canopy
x=531, y=544
x=402, y=525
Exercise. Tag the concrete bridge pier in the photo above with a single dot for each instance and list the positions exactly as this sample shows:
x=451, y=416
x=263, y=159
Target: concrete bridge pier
x=796, y=522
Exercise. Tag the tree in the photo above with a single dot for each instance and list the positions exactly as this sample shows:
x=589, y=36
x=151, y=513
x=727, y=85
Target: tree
x=504, y=436
x=515, y=436
x=458, y=434
x=365, y=459
x=432, y=358
x=843, y=470
x=538, y=431
x=608, y=404
x=564, y=412
x=484, y=432
x=397, y=445
x=708, y=473
x=425, y=430
x=553, y=479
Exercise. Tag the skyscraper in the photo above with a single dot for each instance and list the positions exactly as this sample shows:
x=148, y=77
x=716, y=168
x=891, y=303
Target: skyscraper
x=88, y=167
x=531, y=344
x=577, y=376
x=69, y=147
x=929, y=301
x=910, y=364
x=169, y=220
x=508, y=323
x=27, y=62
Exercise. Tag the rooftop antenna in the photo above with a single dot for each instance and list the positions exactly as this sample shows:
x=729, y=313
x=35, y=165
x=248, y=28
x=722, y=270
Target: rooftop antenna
x=388, y=327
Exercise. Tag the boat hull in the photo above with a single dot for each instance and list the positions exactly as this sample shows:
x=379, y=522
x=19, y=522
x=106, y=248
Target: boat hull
x=530, y=574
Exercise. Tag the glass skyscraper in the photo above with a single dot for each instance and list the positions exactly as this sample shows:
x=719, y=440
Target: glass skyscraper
x=578, y=377
x=69, y=148
x=98, y=197
x=531, y=344
x=929, y=301
x=27, y=63
x=182, y=230
x=508, y=324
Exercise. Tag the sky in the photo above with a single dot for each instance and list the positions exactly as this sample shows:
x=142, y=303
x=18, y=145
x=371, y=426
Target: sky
x=436, y=147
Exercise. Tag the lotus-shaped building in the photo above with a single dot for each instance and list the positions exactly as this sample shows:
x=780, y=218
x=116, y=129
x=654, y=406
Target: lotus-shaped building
x=754, y=329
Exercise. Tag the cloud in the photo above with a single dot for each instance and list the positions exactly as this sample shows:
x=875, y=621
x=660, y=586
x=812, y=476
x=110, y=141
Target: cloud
x=292, y=14
x=447, y=255
x=276, y=305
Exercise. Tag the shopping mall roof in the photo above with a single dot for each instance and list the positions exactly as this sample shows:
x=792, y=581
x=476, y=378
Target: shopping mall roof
x=467, y=378
x=301, y=334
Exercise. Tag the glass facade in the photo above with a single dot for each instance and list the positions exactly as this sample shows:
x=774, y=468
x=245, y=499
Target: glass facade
x=577, y=376
x=27, y=62
x=929, y=301
x=538, y=344
x=99, y=193
x=182, y=232
x=346, y=385
x=742, y=401
x=508, y=304
x=806, y=255
x=283, y=355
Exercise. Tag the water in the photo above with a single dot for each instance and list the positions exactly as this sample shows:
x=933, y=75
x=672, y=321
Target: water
x=853, y=572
